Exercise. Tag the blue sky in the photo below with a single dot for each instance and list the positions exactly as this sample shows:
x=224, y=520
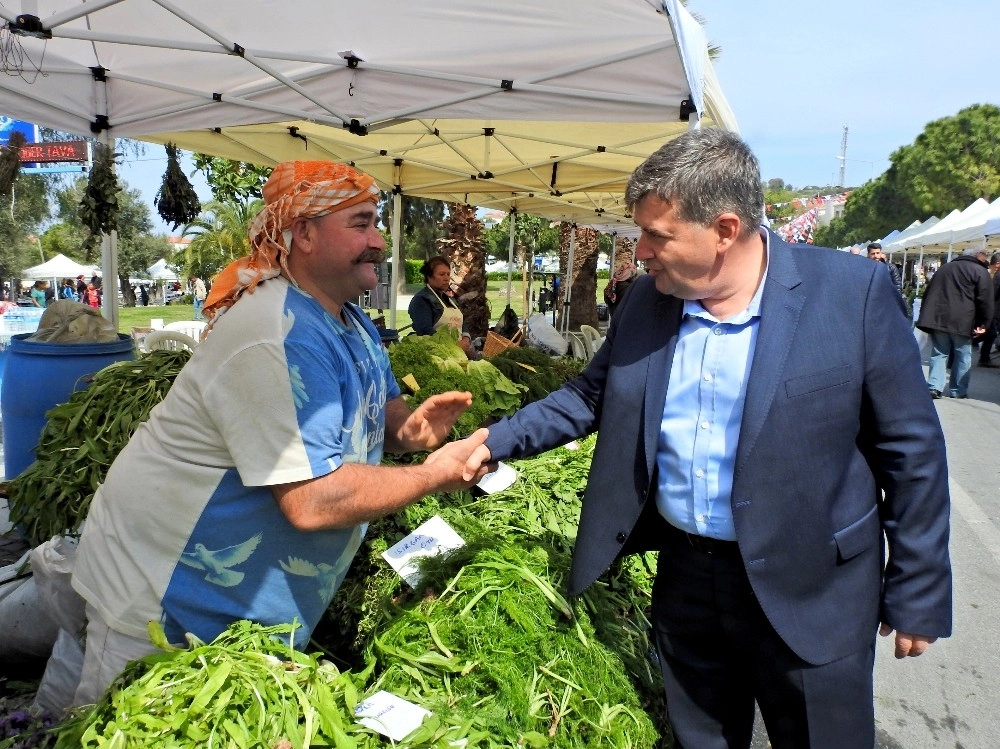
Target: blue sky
x=795, y=73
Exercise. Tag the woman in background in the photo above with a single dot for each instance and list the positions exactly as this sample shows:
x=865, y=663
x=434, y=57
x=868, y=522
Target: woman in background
x=433, y=306
x=37, y=293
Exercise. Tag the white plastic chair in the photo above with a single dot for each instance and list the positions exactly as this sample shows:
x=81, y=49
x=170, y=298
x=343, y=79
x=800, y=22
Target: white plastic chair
x=192, y=328
x=593, y=337
x=168, y=340
x=579, y=346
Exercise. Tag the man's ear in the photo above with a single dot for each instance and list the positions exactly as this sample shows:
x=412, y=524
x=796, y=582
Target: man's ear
x=727, y=229
x=301, y=229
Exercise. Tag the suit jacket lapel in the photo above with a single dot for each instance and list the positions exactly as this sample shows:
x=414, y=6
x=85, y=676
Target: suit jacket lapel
x=781, y=305
x=663, y=333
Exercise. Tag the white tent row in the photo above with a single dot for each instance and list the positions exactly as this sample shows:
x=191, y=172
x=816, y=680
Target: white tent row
x=956, y=231
x=542, y=108
x=59, y=267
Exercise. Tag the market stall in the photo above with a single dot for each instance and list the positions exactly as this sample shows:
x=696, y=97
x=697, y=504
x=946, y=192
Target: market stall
x=542, y=108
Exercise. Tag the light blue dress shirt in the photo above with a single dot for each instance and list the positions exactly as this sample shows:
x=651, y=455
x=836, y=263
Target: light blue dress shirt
x=700, y=428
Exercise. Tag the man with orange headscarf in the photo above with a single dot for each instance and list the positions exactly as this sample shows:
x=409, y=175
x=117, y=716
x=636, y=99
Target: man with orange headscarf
x=260, y=470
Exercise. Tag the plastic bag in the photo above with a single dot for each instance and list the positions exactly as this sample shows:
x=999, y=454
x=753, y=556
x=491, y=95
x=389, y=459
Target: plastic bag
x=542, y=335
x=28, y=630
x=66, y=321
x=924, y=342
x=53, y=563
x=62, y=675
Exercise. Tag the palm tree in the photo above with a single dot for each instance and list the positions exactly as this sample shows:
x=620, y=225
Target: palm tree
x=219, y=236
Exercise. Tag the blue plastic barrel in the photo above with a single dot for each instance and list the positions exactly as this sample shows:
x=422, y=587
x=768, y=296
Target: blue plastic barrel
x=38, y=376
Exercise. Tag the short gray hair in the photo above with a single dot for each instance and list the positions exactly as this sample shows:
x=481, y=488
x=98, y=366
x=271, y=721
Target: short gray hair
x=703, y=173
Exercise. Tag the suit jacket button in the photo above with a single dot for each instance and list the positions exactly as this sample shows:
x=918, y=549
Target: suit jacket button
x=621, y=537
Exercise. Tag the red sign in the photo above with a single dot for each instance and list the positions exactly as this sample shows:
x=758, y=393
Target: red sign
x=46, y=153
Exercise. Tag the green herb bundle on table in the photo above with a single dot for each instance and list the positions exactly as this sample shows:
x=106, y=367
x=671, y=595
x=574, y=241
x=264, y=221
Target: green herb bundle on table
x=488, y=636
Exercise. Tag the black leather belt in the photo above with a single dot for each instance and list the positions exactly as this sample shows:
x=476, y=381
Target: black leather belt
x=704, y=544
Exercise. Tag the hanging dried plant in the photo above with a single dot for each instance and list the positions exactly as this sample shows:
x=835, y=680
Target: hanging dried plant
x=10, y=162
x=99, y=206
x=176, y=201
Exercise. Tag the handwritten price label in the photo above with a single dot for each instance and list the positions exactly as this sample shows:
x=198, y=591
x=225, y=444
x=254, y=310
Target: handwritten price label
x=430, y=539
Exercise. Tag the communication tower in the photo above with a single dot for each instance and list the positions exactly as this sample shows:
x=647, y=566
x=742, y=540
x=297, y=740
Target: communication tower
x=843, y=158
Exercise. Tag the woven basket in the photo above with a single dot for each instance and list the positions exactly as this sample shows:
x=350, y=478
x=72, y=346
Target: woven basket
x=496, y=343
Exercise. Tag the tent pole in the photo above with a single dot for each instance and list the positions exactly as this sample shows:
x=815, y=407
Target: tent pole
x=510, y=254
x=949, y=252
x=395, y=284
x=920, y=267
x=569, y=279
x=109, y=245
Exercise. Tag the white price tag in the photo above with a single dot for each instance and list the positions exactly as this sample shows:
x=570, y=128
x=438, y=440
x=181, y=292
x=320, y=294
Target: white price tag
x=430, y=539
x=498, y=480
x=390, y=715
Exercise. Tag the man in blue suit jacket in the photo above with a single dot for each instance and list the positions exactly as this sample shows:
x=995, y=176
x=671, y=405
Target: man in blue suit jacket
x=765, y=425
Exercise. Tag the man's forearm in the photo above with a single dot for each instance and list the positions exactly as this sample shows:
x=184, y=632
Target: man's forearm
x=356, y=493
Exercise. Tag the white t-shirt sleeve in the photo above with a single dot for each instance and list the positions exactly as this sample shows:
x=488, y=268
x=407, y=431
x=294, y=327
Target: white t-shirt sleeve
x=281, y=420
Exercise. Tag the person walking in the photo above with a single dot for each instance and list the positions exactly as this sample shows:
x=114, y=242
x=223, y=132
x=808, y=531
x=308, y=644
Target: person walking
x=763, y=422
x=957, y=305
x=990, y=336
x=199, y=293
x=263, y=463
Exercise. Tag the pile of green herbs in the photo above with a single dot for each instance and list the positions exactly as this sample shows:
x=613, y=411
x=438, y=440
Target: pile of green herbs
x=428, y=365
x=489, y=633
x=81, y=438
x=247, y=688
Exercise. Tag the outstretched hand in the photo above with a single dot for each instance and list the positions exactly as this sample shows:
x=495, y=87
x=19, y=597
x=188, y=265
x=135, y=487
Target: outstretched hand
x=907, y=645
x=452, y=460
x=430, y=424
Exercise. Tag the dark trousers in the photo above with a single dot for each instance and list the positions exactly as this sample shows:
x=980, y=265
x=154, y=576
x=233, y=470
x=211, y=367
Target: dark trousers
x=719, y=653
x=986, y=344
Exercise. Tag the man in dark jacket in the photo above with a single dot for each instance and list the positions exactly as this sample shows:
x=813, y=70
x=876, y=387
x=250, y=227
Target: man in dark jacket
x=986, y=345
x=957, y=305
x=875, y=253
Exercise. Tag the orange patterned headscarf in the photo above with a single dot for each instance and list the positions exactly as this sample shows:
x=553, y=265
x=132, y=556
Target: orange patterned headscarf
x=295, y=189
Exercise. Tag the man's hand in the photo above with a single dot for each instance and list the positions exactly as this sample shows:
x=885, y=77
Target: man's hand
x=907, y=645
x=426, y=427
x=479, y=458
x=453, y=459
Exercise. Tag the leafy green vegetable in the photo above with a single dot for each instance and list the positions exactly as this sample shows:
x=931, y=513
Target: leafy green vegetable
x=438, y=365
x=245, y=689
x=490, y=634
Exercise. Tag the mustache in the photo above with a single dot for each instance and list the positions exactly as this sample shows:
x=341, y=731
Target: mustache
x=371, y=256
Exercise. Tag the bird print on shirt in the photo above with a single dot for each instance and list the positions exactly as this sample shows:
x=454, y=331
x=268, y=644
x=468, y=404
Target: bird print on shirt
x=217, y=563
x=327, y=575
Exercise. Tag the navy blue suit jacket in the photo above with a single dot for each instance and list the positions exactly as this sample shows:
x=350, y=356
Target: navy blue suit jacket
x=837, y=413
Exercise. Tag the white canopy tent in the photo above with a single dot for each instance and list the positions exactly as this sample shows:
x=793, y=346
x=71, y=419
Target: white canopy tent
x=542, y=108
x=992, y=230
x=160, y=271
x=59, y=267
x=938, y=237
x=972, y=232
x=896, y=245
